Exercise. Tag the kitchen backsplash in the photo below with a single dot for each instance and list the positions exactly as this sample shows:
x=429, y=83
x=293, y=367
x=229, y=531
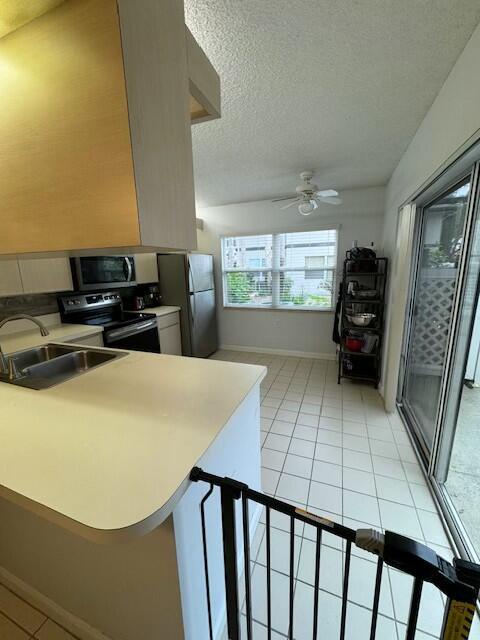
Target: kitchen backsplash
x=37, y=304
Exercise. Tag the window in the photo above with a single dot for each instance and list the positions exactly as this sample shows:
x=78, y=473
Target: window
x=256, y=263
x=313, y=264
x=281, y=271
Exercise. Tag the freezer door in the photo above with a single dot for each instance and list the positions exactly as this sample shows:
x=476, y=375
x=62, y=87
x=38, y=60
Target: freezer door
x=172, y=269
x=200, y=272
x=203, y=323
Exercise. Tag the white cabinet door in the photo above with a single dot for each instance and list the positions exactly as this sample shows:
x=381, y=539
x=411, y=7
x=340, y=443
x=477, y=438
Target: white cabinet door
x=167, y=320
x=10, y=280
x=146, y=269
x=43, y=275
x=171, y=340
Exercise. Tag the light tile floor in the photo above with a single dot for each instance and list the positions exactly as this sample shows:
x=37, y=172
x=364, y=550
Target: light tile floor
x=21, y=621
x=334, y=450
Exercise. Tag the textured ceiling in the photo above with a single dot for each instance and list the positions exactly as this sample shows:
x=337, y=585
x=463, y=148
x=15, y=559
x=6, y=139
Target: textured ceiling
x=336, y=86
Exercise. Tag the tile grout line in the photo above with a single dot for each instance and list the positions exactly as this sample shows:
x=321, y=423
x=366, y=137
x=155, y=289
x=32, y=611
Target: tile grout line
x=384, y=567
x=390, y=500
x=39, y=628
x=339, y=403
x=281, y=473
x=17, y=624
x=426, y=542
x=332, y=593
x=307, y=503
x=297, y=568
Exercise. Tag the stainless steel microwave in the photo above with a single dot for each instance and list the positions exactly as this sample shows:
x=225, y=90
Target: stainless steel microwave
x=96, y=272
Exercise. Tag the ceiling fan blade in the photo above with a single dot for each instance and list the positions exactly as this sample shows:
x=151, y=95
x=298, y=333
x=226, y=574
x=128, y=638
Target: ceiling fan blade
x=327, y=193
x=330, y=200
x=285, y=198
x=291, y=204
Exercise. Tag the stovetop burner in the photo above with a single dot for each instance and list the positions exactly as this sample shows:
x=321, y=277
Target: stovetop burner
x=122, y=319
x=132, y=330
x=99, y=309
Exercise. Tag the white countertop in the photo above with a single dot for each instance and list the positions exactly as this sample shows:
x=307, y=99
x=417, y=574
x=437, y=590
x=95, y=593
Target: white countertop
x=162, y=310
x=108, y=454
x=11, y=342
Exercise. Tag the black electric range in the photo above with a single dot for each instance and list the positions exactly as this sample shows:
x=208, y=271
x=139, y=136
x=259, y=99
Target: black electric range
x=132, y=330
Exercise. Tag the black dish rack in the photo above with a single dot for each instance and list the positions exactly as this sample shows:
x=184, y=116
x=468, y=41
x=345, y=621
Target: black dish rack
x=368, y=275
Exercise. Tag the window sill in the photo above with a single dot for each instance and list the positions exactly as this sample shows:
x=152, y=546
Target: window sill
x=295, y=309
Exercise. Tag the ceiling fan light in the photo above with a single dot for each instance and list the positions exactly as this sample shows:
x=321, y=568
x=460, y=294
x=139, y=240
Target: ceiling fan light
x=306, y=208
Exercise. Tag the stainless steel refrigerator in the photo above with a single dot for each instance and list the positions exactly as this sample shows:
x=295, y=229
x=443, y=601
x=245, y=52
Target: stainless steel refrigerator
x=187, y=281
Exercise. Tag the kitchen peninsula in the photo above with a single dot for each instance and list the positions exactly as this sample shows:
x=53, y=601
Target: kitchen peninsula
x=96, y=507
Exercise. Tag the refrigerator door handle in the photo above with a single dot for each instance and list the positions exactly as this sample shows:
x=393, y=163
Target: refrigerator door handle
x=192, y=307
x=191, y=280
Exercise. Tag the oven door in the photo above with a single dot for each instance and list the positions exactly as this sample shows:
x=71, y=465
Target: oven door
x=137, y=337
x=94, y=272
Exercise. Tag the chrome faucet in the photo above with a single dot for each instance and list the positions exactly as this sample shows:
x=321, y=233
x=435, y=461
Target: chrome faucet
x=7, y=365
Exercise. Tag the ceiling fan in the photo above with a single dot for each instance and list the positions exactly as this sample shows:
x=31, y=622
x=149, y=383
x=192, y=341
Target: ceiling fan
x=308, y=196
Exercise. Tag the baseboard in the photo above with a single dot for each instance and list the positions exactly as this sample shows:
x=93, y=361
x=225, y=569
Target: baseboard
x=280, y=352
x=50, y=608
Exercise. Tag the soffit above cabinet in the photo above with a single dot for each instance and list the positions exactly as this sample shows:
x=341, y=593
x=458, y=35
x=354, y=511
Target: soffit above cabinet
x=204, y=83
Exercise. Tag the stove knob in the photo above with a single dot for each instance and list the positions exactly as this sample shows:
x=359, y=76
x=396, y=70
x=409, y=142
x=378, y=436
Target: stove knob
x=77, y=302
x=70, y=302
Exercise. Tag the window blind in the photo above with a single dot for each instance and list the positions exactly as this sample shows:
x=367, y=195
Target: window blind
x=280, y=270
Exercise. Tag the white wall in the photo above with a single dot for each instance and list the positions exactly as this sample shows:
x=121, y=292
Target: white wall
x=360, y=218
x=452, y=122
x=235, y=453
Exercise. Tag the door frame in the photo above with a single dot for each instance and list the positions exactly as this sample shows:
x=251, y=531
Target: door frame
x=436, y=460
x=422, y=203
x=437, y=464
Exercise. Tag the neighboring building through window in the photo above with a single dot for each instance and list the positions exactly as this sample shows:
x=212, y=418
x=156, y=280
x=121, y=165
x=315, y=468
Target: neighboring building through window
x=256, y=263
x=281, y=270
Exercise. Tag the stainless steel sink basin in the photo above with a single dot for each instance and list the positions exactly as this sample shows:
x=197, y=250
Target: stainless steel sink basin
x=50, y=364
x=24, y=359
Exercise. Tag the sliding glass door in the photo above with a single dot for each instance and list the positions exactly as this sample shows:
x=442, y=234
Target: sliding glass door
x=440, y=242
x=439, y=391
x=456, y=466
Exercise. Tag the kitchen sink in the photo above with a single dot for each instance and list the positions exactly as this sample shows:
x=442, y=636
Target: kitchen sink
x=46, y=352
x=50, y=364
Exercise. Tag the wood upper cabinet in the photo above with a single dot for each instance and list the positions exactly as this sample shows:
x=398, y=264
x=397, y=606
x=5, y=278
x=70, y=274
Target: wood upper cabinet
x=204, y=83
x=96, y=143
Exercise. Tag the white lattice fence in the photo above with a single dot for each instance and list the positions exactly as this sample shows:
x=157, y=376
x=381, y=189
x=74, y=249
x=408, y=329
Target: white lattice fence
x=435, y=292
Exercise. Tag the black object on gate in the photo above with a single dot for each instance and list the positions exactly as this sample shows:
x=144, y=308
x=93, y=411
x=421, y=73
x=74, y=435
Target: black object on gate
x=459, y=581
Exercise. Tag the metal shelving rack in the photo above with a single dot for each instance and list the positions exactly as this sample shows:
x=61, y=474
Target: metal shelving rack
x=372, y=274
